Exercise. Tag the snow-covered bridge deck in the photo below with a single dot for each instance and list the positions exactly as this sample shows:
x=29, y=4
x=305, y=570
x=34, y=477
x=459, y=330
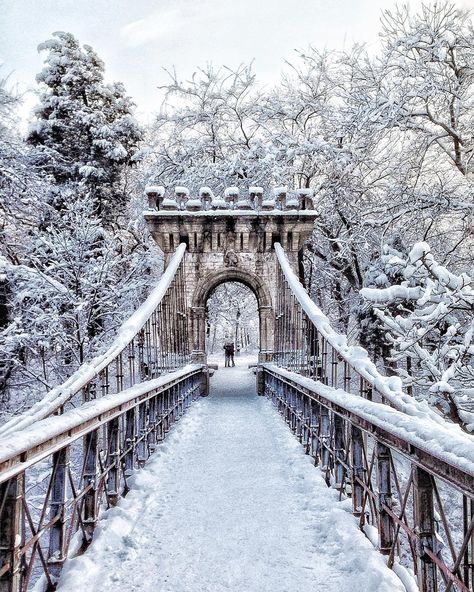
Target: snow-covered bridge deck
x=230, y=502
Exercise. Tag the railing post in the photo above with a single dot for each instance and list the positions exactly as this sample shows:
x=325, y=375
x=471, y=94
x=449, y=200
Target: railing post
x=160, y=409
x=339, y=448
x=306, y=423
x=12, y=533
x=425, y=528
x=204, y=383
x=89, y=507
x=130, y=433
x=166, y=411
x=385, y=522
x=113, y=461
x=260, y=381
x=152, y=415
x=468, y=559
x=142, y=444
x=357, y=441
x=314, y=431
x=324, y=437
x=57, y=534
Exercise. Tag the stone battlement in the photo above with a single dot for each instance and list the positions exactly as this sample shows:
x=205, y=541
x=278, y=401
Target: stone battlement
x=280, y=199
x=224, y=225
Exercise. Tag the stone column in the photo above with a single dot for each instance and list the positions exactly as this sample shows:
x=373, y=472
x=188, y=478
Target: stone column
x=267, y=332
x=198, y=334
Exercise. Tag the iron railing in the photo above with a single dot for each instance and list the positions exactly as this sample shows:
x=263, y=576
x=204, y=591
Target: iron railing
x=414, y=484
x=57, y=475
x=72, y=454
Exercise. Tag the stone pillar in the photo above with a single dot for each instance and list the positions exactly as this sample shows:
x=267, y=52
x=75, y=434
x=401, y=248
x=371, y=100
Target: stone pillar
x=198, y=334
x=266, y=334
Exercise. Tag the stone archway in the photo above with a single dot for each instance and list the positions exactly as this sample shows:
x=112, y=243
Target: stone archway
x=207, y=285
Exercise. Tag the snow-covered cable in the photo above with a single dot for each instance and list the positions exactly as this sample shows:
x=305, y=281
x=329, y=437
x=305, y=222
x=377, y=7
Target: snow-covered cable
x=59, y=395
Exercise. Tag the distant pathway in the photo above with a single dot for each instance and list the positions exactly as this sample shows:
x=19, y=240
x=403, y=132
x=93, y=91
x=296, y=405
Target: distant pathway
x=230, y=503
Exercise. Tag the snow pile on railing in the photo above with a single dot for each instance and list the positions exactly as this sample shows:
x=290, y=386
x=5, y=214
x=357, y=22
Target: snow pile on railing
x=389, y=387
x=437, y=439
x=59, y=395
x=45, y=431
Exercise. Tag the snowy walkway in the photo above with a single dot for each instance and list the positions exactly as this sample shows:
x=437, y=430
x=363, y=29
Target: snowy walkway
x=230, y=503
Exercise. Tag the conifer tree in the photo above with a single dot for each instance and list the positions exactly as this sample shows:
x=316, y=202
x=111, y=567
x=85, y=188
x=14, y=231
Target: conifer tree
x=84, y=127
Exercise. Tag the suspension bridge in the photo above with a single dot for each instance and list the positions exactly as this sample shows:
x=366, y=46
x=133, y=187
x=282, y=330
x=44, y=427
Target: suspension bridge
x=100, y=490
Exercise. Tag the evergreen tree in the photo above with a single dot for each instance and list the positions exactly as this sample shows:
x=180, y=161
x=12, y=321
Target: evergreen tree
x=78, y=262
x=84, y=127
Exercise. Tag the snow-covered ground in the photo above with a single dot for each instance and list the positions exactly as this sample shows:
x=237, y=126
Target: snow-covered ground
x=230, y=503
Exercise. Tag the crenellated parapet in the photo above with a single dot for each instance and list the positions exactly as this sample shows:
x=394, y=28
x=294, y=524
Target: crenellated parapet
x=249, y=221
x=253, y=199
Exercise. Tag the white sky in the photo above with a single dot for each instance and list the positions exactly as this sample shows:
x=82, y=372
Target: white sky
x=138, y=38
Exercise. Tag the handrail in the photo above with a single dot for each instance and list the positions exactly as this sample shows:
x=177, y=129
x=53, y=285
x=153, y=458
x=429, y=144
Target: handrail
x=58, y=475
x=405, y=480
x=432, y=446
x=59, y=395
x=20, y=451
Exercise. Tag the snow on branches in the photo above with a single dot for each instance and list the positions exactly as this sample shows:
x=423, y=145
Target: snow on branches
x=429, y=320
x=84, y=127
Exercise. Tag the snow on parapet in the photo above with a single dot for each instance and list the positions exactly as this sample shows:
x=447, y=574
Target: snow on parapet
x=59, y=395
x=231, y=191
x=206, y=197
x=155, y=195
x=206, y=192
x=157, y=189
x=389, y=387
x=277, y=200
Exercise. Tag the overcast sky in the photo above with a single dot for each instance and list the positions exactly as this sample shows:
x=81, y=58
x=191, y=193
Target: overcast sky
x=138, y=38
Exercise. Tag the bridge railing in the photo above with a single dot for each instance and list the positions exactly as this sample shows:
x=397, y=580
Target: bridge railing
x=58, y=474
x=410, y=473
x=73, y=453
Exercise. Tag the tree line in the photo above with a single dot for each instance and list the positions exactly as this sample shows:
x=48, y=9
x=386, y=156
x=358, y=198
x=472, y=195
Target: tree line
x=385, y=140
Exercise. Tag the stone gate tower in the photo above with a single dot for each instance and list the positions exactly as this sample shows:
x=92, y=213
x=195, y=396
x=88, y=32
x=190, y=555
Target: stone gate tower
x=230, y=239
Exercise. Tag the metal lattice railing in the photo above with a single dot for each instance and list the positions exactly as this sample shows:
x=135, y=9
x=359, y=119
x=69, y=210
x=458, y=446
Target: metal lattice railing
x=413, y=484
x=72, y=454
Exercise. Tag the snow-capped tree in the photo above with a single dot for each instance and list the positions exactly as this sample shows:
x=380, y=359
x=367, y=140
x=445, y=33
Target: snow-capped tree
x=84, y=127
x=429, y=319
x=21, y=190
x=428, y=82
x=76, y=259
x=208, y=133
x=75, y=283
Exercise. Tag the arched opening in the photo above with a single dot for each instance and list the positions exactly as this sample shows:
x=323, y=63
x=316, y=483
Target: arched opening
x=232, y=319
x=203, y=292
